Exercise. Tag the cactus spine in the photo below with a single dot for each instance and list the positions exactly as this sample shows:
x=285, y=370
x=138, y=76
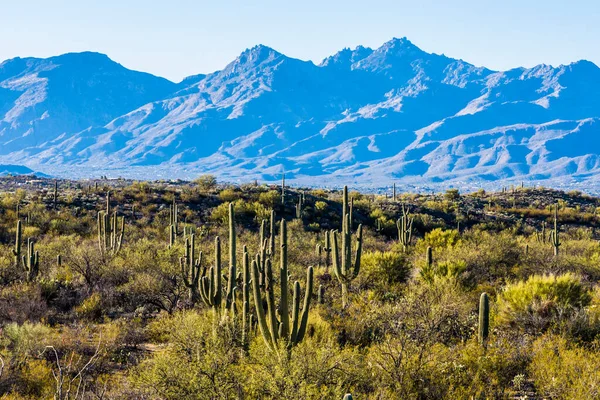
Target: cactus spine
x=404, y=225
x=31, y=262
x=190, y=268
x=344, y=268
x=554, y=234
x=484, y=319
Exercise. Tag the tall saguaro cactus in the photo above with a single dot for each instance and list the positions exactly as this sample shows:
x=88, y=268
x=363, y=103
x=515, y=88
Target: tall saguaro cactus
x=232, y=259
x=283, y=189
x=55, y=196
x=484, y=319
x=190, y=268
x=31, y=262
x=554, y=234
x=346, y=270
x=18, y=239
x=273, y=330
x=110, y=235
x=210, y=285
x=404, y=225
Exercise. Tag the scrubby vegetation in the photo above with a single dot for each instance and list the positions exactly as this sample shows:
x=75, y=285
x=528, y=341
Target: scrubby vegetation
x=174, y=290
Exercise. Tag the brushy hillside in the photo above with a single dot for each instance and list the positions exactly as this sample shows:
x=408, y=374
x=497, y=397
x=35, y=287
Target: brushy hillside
x=116, y=289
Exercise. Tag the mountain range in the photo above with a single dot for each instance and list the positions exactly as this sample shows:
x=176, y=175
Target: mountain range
x=365, y=117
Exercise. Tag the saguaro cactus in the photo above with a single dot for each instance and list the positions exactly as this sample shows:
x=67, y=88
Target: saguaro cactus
x=110, y=236
x=31, y=262
x=484, y=319
x=346, y=270
x=404, y=225
x=190, y=268
x=554, y=234
x=283, y=189
x=18, y=239
x=210, y=285
x=271, y=328
x=230, y=298
x=245, y=299
x=55, y=197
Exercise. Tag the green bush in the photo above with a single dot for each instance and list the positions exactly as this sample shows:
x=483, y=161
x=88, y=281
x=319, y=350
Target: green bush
x=541, y=300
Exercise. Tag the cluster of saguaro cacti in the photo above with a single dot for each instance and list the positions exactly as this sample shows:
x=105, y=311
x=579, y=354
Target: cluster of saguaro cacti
x=541, y=234
x=346, y=270
x=326, y=248
x=484, y=319
x=554, y=234
x=289, y=329
x=211, y=287
x=404, y=225
x=31, y=262
x=110, y=235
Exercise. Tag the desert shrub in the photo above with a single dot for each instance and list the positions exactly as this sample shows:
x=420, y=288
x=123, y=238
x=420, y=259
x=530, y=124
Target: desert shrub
x=562, y=370
x=384, y=267
x=229, y=195
x=22, y=302
x=535, y=304
x=442, y=270
x=206, y=182
x=270, y=198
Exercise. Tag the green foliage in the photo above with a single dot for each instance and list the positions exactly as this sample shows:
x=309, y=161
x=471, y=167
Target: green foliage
x=541, y=300
x=389, y=267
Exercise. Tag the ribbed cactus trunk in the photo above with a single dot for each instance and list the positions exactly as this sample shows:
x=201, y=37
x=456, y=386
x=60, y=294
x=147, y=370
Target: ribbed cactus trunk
x=245, y=300
x=190, y=268
x=345, y=269
x=230, y=299
x=484, y=319
x=31, y=262
x=289, y=329
x=555, y=235
x=18, y=241
x=55, y=197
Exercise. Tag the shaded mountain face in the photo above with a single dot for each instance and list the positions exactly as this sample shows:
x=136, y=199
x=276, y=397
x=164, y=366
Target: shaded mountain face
x=362, y=116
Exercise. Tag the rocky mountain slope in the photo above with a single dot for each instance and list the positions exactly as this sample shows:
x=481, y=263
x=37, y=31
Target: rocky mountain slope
x=362, y=116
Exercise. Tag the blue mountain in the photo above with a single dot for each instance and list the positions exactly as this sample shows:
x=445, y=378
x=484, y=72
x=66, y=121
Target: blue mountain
x=362, y=116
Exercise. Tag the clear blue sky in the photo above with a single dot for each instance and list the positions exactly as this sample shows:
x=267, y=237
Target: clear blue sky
x=178, y=38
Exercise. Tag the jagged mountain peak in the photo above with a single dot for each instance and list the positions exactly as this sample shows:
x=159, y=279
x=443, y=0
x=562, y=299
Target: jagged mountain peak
x=363, y=115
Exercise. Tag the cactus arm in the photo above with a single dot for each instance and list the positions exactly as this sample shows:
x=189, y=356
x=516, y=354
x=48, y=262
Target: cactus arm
x=260, y=312
x=306, y=306
x=284, y=310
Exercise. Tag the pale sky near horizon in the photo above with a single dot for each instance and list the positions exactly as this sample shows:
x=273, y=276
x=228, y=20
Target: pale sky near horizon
x=184, y=37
